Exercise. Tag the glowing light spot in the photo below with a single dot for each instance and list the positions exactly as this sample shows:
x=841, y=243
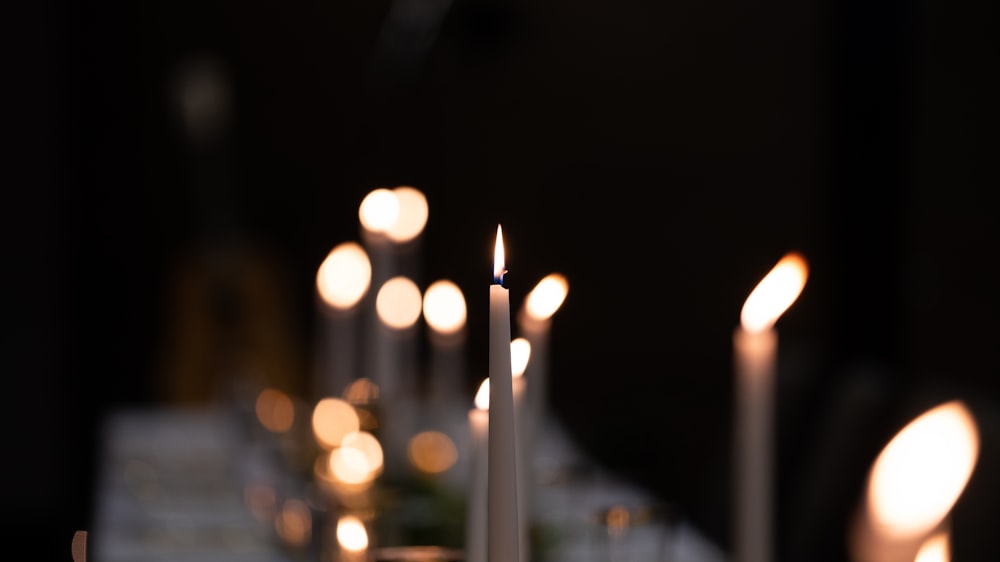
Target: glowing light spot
x=937, y=548
x=777, y=291
x=379, y=210
x=261, y=501
x=483, y=395
x=398, y=303
x=275, y=410
x=332, y=419
x=412, y=217
x=520, y=353
x=920, y=474
x=432, y=451
x=361, y=391
x=344, y=276
x=548, y=295
x=351, y=533
x=350, y=466
x=369, y=447
x=444, y=307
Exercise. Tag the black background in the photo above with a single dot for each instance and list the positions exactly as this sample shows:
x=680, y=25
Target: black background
x=663, y=156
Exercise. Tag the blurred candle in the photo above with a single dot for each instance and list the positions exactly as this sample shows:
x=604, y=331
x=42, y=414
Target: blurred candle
x=476, y=509
x=342, y=280
x=445, y=314
x=520, y=354
x=502, y=536
x=535, y=323
x=398, y=307
x=914, y=483
x=352, y=537
x=755, y=345
x=378, y=211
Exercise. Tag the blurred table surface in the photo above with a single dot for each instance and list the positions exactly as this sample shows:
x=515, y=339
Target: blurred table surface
x=172, y=486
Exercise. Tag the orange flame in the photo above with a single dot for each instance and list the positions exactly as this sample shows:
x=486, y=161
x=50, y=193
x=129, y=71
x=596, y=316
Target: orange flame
x=775, y=293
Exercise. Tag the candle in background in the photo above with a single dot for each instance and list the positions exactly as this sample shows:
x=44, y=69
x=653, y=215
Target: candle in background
x=445, y=314
x=342, y=280
x=755, y=345
x=405, y=239
x=378, y=211
x=535, y=323
x=502, y=529
x=520, y=354
x=914, y=483
x=476, y=510
x=398, y=306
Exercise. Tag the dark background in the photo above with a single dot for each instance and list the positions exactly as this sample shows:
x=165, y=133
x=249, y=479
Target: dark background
x=662, y=155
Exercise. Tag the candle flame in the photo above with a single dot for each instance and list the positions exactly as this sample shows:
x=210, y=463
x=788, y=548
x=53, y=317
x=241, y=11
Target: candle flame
x=937, y=548
x=483, y=395
x=520, y=352
x=444, y=307
x=775, y=293
x=412, y=214
x=498, y=259
x=344, y=276
x=332, y=419
x=379, y=210
x=547, y=296
x=920, y=474
x=351, y=533
x=398, y=303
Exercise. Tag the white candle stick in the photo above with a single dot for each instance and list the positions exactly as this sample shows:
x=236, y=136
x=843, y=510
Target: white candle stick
x=342, y=280
x=378, y=211
x=755, y=345
x=476, y=508
x=502, y=537
x=914, y=483
x=445, y=315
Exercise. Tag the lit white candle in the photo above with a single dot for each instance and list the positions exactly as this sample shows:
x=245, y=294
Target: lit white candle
x=476, y=508
x=502, y=536
x=535, y=323
x=445, y=314
x=342, y=280
x=378, y=212
x=914, y=483
x=755, y=345
x=398, y=306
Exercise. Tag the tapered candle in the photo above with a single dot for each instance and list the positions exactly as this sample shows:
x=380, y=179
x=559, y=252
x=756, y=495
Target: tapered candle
x=445, y=314
x=755, y=345
x=520, y=354
x=476, y=509
x=914, y=483
x=379, y=210
x=342, y=280
x=502, y=536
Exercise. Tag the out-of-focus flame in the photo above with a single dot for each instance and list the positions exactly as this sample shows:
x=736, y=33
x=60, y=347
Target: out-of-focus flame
x=361, y=391
x=775, y=293
x=351, y=533
x=520, y=353
x=379, y=210
x=332, y=419
x=432, y=452
x=937, y=548
x=922, y=471
x=369, y=446
x=348, y=465
x=344, y=276
x=398, y=303
x=275, y=410
x=482, y=399
x=261, y=500
x=499, y=264
x=412, y=214
x=294, y=523
x=444, y=307
x=547, y=296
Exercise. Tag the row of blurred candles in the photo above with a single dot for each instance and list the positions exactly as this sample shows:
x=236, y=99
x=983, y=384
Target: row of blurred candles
x=363, y=429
